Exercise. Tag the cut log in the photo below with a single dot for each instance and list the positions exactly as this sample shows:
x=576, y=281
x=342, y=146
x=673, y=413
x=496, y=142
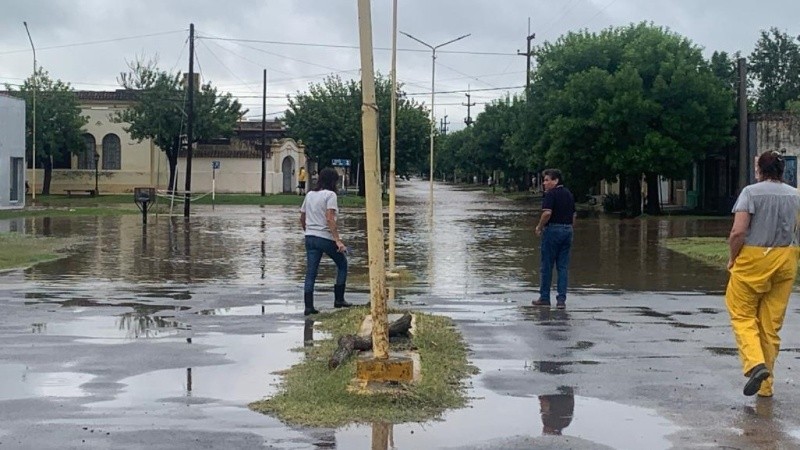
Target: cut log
x=350, y=343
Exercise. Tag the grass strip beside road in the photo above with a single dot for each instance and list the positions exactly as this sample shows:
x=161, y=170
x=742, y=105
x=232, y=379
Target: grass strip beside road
x=20, y=250
x=66, y=212
x=709, y=250
x=312, y=395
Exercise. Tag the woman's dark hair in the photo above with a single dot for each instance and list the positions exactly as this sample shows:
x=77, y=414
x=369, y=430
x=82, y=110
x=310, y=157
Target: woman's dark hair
x=771, y=165
x=554, y=174
x=328, y=178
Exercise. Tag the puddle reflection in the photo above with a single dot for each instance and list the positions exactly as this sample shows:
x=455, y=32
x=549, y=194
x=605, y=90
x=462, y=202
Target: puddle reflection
x=251, y=374
x=557, y=410
x=592, y=422
x=19, y=382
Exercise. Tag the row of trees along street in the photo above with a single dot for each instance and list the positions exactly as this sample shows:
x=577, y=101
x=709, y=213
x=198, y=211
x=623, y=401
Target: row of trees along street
x=610, y=105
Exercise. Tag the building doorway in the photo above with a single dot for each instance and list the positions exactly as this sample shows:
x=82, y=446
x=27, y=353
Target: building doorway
x=287, y=167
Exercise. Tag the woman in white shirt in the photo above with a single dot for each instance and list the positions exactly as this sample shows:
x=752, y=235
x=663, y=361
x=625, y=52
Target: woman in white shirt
x=318, y=219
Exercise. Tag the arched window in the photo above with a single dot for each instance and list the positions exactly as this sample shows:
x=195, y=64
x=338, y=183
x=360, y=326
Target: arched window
x=86, y=157
x=112, y=158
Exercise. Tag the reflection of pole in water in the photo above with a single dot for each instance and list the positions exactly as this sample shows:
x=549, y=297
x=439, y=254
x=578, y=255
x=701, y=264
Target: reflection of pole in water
x=263, y=248
x=308, y=333
x=187, y=247
x=382, y=436
x=188, y=381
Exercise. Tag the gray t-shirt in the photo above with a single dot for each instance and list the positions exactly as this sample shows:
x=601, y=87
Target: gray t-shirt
x=774, y=209
x=315, y=204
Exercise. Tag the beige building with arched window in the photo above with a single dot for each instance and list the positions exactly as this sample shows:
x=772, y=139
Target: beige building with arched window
x=124, y=163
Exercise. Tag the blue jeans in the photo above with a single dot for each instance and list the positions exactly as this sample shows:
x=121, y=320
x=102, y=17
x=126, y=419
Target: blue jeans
x=315, y=247
x=556, y=246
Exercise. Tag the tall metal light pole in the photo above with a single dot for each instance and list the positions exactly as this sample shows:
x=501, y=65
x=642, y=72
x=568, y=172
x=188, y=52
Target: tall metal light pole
x=33, y=114
x=393, y=142
x=433, y=91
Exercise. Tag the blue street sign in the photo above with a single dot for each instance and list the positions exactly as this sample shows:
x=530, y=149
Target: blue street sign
x=215, y=164
x=340, y=162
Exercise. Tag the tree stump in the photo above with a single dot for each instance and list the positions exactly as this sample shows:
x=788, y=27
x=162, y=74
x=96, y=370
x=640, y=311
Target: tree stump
x=350, y=343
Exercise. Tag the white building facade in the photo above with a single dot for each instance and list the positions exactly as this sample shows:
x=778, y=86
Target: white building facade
x=12, y=153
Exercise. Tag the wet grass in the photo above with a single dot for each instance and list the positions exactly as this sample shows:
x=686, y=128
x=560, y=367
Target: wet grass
x=20, y=250
x=66, y=212
x=351, y=200
x=709, y=250
x=312, y=395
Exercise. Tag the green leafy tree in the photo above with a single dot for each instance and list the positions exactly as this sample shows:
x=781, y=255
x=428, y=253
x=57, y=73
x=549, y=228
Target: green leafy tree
x=626, y=102
x=58, y=121
x=327, y=118
x=159, y=112
x=775, y=70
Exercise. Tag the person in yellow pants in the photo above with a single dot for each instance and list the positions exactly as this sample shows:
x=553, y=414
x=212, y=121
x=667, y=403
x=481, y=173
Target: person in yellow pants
x=763, y=266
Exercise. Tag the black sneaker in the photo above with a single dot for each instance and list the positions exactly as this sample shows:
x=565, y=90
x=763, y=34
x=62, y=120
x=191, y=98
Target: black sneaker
x=540, y=302
x=758, y=374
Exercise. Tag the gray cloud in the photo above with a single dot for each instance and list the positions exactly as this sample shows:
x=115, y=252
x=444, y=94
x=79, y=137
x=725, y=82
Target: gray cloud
x=498, y=26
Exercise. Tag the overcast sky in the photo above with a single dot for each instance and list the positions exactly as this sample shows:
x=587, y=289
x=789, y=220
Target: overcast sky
x=87, y=42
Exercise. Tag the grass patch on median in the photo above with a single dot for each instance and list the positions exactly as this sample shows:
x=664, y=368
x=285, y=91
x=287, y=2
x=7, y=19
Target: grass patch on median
x=312, y=395
x=66, y=212
x=710, y=250
x=20, y=250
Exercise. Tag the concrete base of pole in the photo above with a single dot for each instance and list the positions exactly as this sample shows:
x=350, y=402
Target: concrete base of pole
x=382, y=376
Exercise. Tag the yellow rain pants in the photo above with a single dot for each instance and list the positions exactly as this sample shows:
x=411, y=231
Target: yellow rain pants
x=757, y=296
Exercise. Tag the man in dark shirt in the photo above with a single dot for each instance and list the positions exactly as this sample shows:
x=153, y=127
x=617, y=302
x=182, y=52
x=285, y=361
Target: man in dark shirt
x=555, y=227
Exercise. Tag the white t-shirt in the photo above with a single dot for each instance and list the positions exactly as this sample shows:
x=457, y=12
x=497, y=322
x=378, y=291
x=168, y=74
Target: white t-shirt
x=315, y=205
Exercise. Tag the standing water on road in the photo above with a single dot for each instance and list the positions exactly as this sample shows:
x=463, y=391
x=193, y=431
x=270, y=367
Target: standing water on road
x=137, y=333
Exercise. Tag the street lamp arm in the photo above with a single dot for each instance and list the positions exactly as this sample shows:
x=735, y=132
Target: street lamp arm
x=418, y=40
x=451, y=41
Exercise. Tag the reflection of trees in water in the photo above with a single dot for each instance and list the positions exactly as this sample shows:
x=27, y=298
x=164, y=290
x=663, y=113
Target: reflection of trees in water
x=142, y=324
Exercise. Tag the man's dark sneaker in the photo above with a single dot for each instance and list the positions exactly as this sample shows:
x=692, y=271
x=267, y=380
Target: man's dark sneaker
x=758, y=374
x=561, y=305
x=540, y=302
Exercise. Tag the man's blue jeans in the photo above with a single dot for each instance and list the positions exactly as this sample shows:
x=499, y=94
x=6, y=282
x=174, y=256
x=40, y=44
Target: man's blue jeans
x=556, y=246
x=315, y=247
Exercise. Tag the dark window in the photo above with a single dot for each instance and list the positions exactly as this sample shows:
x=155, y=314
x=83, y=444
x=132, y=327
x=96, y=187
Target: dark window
x=86, y=157
x=112, y=158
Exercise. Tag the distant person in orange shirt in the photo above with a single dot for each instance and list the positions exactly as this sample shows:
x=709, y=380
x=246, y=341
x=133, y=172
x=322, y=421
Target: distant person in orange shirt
x=301, y=181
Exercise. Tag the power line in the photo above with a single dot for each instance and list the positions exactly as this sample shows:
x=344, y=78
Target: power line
x=598, y=13
x=225, y=66
x=473, y=90
x=103, y=41
x=352, y=47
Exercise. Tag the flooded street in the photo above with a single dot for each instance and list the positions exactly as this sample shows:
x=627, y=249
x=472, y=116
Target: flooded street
x=158, y=337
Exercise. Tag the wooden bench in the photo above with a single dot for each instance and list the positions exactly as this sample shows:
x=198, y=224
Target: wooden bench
x=89, y=192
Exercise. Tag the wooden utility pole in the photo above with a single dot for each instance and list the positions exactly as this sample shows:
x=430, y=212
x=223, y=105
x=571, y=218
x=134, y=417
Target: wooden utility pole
x=264, y=138
x=393, y=142
x=372, y=186
x=743, y=156
x=189, y=125
x=528, y=55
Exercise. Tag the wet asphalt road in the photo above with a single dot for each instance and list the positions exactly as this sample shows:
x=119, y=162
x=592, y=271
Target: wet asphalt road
x=159, y=339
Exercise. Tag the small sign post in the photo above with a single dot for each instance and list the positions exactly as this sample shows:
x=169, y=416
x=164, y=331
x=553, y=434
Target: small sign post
x=214, y=166
x=345, y=165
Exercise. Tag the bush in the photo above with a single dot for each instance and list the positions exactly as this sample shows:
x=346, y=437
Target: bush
x=612, y=203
